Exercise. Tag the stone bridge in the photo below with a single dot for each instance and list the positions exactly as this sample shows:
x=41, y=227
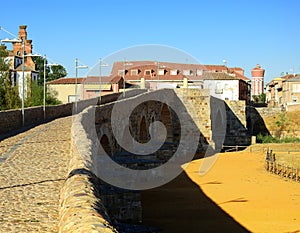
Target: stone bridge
x=194, y=122
x=125, y=130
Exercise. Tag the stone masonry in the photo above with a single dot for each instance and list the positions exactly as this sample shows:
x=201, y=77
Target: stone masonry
x=49, y=173
x=33, y=167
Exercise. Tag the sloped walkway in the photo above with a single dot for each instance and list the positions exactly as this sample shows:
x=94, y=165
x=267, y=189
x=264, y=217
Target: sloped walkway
x=33, y=166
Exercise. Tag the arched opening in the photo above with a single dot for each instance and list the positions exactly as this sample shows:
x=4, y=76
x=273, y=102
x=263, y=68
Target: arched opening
x=165, y=118
x=249, y=125
x=128, y=139
x=144, y=135
x=152, y=131
x=105, y=144
x=218, y=123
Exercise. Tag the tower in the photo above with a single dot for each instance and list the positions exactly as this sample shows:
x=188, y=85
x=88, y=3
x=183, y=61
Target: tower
x=257, y=80
x=17, y=47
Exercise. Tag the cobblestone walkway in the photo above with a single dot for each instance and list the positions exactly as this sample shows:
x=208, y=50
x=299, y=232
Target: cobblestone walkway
x=33, y=166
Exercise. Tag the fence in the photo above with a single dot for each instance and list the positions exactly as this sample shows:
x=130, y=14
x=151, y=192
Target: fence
x=282, y=170
x=232, y=148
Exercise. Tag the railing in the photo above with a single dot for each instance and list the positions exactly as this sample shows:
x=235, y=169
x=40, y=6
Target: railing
x=279, y=169
x=227, y=148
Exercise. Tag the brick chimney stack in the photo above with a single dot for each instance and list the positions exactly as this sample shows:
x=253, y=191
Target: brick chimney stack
x=17, y=47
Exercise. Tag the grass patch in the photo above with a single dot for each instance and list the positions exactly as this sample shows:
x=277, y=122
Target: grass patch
x=270, y=139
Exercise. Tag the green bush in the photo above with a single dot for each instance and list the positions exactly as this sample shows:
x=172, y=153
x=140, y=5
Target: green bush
x=290, y=140
x=260, y=138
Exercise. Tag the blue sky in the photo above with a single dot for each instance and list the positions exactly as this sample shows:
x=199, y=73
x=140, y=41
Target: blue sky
x=242, y=32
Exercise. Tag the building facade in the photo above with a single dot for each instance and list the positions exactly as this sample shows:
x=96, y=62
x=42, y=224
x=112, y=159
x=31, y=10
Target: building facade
x=15, y=62
x=257, y=85
x=67, y=89
x=227, y=87
x=284, y=91
x=291, y=93
x=224, y=82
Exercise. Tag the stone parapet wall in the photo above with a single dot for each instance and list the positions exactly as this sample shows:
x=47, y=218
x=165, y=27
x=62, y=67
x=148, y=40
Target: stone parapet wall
x=293, y=107
x=82, y=197
x=238, y=107
x=197, y=103
x=267, y=112
x=12, y=119
x=81, y=209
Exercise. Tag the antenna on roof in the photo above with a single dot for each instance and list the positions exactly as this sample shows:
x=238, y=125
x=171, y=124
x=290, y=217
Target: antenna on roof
x=224, y=62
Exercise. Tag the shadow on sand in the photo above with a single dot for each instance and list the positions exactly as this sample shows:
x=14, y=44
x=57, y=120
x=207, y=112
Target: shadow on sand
x=181, y=206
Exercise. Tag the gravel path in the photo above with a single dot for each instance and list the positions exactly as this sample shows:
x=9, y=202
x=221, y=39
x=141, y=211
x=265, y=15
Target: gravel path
x=33, y=166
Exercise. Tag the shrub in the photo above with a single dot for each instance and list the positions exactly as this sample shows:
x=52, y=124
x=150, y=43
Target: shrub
x=270, y=139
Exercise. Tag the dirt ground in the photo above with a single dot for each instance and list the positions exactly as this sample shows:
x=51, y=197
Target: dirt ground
x=235, y=195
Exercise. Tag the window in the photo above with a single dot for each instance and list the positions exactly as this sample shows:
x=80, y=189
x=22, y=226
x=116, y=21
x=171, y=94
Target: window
x=161, y=72
x=296, y=87
x=218, y=89
x=199, y=72
x=174, y=72
x=134, y=72
x=120, y=72
x=294, y=98
x=188, y=72
x=147, y=72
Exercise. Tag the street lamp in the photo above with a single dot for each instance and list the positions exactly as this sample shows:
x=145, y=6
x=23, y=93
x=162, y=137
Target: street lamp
x=44, y=88
x=124, y=78
x=100, y=77
x=157, y=83
x=76, y=72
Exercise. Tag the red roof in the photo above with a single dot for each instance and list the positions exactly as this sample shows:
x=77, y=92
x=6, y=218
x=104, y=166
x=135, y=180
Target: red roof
x=119, y=65
x=67, y=81
x=104, y=79
x=89, y=79
x=237, y=74
x=155, y=78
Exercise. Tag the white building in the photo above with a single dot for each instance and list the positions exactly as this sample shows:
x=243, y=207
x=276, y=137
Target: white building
x=226, y=87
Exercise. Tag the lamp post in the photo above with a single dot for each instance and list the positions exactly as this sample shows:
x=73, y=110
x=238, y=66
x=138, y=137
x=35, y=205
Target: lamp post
x=124, y=73
x=124, y=79
x=44, y=89
x=76, y=76
x=157, y=75
x=44, y=84
x=100, y=77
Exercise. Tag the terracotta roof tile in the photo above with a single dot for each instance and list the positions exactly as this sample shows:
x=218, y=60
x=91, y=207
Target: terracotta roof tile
x=119, y=65
x=104, y=79
x=67, y=81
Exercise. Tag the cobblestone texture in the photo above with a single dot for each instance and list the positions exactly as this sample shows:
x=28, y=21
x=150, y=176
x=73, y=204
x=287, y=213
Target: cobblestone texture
x=33, y=167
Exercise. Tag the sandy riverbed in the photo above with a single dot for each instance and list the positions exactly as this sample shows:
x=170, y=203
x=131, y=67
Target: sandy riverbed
x=236, y=195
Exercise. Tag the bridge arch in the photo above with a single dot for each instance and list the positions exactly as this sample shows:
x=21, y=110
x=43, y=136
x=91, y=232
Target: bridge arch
x=104, y=141
x=143, y=132
x=166, y=119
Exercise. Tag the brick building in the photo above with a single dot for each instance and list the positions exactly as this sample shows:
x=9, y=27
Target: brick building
x=231, y=82
x=15, y=61
x=257, y=80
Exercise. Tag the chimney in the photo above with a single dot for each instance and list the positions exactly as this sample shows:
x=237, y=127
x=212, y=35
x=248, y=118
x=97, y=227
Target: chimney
x=22, y=32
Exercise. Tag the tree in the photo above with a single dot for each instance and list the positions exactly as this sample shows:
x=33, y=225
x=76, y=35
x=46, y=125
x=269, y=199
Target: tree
x=57, y=71
x=53, y=73
x=9, y=95
x=259, y=98
x=39, y=66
